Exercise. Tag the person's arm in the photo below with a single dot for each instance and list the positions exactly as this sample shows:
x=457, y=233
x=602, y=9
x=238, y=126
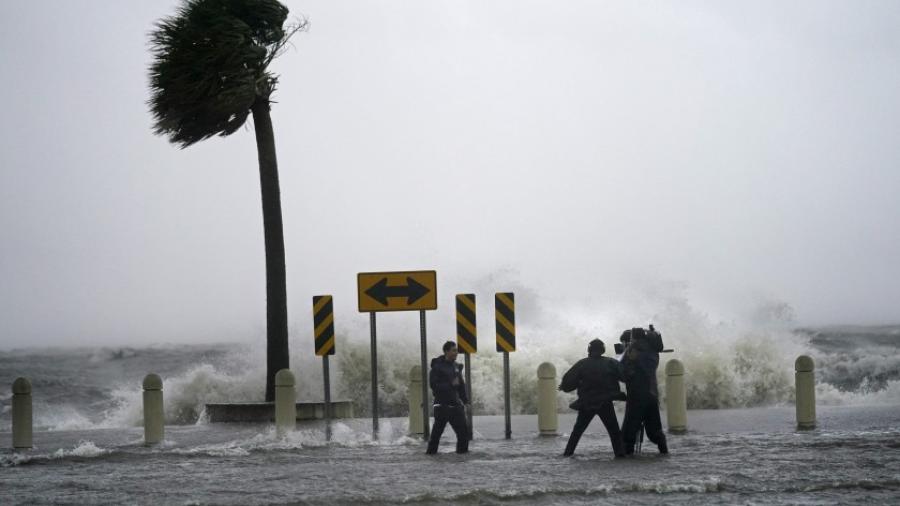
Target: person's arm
x=571, y=378
x=432, y=378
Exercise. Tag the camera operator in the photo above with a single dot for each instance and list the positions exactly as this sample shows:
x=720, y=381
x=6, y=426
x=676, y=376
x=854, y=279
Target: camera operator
x=639, y=362
x=597, y=380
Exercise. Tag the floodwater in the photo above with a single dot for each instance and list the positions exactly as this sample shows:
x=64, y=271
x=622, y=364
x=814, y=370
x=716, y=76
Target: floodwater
x=88, y=439
x=738, y=456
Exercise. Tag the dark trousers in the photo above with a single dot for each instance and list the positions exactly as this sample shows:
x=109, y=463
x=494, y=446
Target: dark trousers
x=456, y=416
x=608, y=416
x=643, y=410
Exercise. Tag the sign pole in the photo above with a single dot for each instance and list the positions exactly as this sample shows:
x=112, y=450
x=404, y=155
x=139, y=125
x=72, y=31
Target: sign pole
x=425, y=424
x=506, y=394
x=374, y=375
x=469, y=393
x=505, y=314
x=467, y=342
x=397, y=291
x=327, y=381
x=323, y=332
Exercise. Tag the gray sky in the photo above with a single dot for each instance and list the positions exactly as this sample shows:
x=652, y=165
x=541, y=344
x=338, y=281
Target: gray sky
x=591, y=154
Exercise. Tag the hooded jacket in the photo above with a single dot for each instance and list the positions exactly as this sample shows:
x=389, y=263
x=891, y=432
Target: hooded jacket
x=597, y=380
x=441, y=379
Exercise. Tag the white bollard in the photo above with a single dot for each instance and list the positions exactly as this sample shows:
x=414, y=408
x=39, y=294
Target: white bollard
x=21, y=414
x=285, y=402
x=548, y=421
x=154, y=413
x=676, y=397
x=805, y=379
x=416, y=425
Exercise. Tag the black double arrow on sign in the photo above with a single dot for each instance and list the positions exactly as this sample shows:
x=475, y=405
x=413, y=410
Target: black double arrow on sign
x=412, y=290
x=396, y=291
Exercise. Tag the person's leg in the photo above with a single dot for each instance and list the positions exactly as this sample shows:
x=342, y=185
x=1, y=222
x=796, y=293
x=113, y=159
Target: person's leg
x=608, y=417
x=631, y=424
x=440, y=421
x=581, y=423
x=653, y=426
x=461, y=428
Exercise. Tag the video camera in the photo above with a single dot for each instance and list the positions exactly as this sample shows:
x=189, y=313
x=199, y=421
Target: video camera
x=642, y=340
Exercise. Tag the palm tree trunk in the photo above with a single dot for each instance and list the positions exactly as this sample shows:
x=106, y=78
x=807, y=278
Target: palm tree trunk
x=277, y=356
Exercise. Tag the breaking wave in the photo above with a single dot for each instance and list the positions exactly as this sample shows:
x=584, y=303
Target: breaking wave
x=728, y=364
x=83, y=450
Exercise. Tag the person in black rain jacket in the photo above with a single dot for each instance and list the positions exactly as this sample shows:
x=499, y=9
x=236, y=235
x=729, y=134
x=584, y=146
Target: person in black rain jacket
x=450, y=399
x=597, y=380
x=639, y=364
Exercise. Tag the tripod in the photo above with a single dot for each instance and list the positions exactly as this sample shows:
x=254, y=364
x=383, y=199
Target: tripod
x=640, y=441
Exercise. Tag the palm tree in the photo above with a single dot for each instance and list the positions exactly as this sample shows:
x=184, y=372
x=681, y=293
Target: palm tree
x=209, y=73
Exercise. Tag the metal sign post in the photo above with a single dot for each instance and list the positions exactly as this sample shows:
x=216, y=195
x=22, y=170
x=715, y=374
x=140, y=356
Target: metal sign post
x=425, y=425
x=505, y=314
x=397, y=291
x=374, y=353
x=327, y=381
x=467, y=342
x=323, y=332
x=469, y=395
x=506, y=407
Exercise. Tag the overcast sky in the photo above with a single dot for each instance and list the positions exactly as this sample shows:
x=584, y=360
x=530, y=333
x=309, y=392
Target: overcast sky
x=736, y=154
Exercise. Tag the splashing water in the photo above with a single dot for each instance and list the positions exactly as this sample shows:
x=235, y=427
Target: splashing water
x=728, y=364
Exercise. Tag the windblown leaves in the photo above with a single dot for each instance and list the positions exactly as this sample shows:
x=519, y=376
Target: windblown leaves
x=209, y=65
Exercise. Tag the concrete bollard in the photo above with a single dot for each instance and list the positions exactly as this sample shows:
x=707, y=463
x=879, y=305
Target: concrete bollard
x=416, y=425
x=805, y=379
x=548, y=421
x=154, y=413
x=676, y=397
x=22, y=423
x=285, y=402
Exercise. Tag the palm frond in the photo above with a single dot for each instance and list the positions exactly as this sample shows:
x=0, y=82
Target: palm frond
x=210, y=64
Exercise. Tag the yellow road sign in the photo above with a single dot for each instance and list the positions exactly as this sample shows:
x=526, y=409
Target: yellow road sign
x=466, y=330
x=505, y=311
x=323, y=324
x=397, y=291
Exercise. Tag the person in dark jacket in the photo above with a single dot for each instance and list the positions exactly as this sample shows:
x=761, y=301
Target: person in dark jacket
x=450, y=399
x=597, y=380
x=639, y=364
